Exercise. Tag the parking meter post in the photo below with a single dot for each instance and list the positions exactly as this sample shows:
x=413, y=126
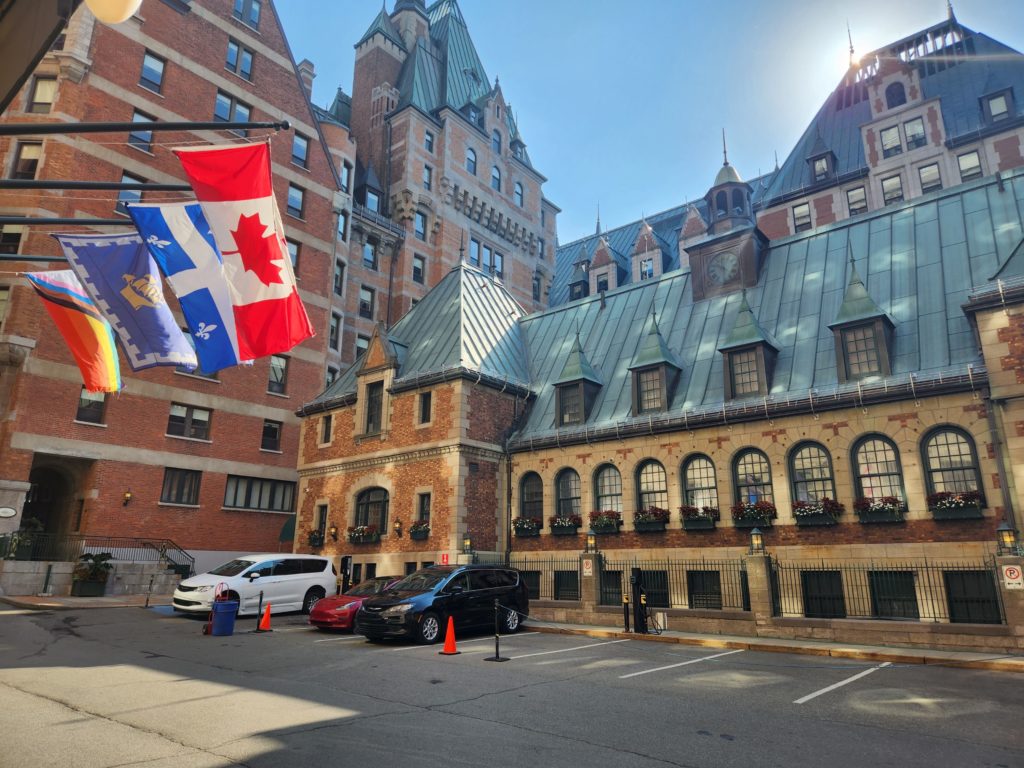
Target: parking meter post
x=625, y=612
x=259, y=610
x=149, y=591
x=497, y=633
x=636, y=582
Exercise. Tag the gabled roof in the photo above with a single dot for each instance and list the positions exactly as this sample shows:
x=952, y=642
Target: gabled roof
x=746, y=330
x=857, y=303
x=382, y=24
x=577, y=367
x=652, y=349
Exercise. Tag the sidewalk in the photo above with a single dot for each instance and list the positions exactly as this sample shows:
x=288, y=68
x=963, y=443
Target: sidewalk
x=960, y=659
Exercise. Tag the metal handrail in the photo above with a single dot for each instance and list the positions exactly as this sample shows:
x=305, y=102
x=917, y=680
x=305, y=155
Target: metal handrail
x=28, y=545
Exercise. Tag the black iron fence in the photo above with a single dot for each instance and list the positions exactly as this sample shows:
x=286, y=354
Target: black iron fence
x=703, y=584
x=955, y=592
x=550, y=579
x=69, y=548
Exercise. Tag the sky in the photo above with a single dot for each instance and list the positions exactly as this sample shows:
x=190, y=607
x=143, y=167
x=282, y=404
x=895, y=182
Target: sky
x=622, y=104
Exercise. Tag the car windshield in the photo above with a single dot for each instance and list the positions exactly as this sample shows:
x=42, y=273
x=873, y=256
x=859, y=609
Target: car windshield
x=233, y=568
x=369, y=587
x=421, y=581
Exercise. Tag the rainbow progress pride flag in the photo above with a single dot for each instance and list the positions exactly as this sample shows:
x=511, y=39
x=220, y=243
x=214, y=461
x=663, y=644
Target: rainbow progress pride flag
x=87, y=334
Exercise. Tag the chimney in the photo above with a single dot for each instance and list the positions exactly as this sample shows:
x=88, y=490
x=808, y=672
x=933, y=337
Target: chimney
x=307, y=72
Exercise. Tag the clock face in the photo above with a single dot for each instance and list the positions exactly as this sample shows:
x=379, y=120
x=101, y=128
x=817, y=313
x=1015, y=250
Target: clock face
x=723, y=268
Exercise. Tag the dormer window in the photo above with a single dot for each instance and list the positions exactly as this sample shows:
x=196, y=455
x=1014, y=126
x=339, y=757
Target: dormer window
x=570, y=404
x=646, y=269
x=374, y=407
x=821, y=169
x=372, y=201
x=577, y=291
x=743, y=373
x=895, y=96
x=649, y=390
x=602, y=283
x=860, y=350
x=998, y=107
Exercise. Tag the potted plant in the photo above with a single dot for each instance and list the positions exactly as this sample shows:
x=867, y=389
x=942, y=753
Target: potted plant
x=25, y=538
x=89, y=579
x=699, y=518
x=885, y=509
x=823, y=511
x=753, y=514
x=363, y=534
x=316, y=539
x=565, y=526
x=948, y=505
x=527, y=526
x=650, y=519
x=419, y=530
x=605, y=521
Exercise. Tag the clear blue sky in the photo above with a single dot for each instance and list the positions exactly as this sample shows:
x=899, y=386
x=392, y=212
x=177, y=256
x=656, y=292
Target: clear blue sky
x=622, y=103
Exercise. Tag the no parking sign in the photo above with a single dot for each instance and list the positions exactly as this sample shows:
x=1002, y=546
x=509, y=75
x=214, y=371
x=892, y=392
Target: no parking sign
x=1012, y=577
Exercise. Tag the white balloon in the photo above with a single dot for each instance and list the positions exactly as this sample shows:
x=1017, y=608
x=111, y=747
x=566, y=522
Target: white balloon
x=113, y=11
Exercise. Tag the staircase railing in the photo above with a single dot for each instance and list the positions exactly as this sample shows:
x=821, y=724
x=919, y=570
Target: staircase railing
x=23, y=545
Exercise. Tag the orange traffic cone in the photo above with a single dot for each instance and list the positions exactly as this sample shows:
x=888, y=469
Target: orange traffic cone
x=265, y=621
x=449, y=640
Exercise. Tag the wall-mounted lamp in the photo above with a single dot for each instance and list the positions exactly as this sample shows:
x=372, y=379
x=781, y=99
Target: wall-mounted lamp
x=591, y=545
x=333, y=530
x=467, y=545
x=756, y=542
x=127, y=498
x=397, y=527
x=1007, y=539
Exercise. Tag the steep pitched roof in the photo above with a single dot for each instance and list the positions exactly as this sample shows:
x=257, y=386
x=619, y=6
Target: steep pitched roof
x=653, y=350
x=857, y=302
x=382, y=24
x=746, y=330
x=577, y=367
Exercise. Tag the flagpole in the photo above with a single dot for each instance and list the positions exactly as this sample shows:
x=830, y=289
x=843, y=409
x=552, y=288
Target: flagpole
x=42, y=129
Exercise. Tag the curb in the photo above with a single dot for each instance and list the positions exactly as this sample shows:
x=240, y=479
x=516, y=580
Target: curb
x=896, y=656
x=28, y=605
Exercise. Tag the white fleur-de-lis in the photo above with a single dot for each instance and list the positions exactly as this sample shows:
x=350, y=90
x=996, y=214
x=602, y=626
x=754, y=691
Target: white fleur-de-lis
x=205, y=330
x=154, y=240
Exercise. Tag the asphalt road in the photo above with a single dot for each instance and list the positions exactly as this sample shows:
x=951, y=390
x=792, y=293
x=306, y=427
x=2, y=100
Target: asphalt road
x=138, y=687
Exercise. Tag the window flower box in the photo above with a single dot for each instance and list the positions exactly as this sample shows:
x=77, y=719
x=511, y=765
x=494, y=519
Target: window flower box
x=605, y=521
x=650, y=520
x=887, y=509
x=956, y=506
x=565, y=526
x=699, y=518
x=316, y=539
x=363, y=534
x=419, y=534
x=753, y=514
x=526, y=527
x=823, y=511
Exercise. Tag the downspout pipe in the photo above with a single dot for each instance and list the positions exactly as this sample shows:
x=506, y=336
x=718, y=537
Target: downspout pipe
x=998, y=444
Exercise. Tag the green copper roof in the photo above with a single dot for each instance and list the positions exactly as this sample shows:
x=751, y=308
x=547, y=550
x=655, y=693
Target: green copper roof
x=577, y=367
x=857, y=303
x=383, y=25
x=652, y=349
x=1013, y=267
x=746, y=330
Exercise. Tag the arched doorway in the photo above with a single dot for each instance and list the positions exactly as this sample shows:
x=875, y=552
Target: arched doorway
x=49, y=499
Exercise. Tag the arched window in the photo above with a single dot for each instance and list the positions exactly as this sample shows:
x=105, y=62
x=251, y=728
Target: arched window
x=471, y=160
x=876, y=468
x=608, y=489
x=651, y=486
x=699, y=487
x=810, y=471
x=531, y=496
x=895, y=95
x=739, y=204
x=496, y=141
x=372, y=508
x=722, y=204
x=568, y=486
x=518, y=194
x=495, y=178
x=753, y=477
x=950, y=461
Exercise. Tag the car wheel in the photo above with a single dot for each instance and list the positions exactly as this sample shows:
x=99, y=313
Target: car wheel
x=509, y=622
x=429, y=628
x=312, y=596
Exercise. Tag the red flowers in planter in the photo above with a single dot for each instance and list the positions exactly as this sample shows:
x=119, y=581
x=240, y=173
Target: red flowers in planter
x=950, y=500
x=758, y=510
x=651, y=515
x=823, y=505
x=696, y=513
x=569, y=521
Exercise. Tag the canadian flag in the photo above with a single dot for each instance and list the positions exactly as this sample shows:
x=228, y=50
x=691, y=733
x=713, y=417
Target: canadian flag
x=233, y=186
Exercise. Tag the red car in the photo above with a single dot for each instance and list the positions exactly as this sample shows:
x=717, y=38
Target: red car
x=339, y=612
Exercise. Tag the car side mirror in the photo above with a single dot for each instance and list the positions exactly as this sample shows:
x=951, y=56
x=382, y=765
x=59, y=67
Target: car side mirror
x=253, y=576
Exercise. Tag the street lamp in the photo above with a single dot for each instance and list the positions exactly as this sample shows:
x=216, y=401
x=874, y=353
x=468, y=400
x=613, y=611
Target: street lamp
x=1007, y=538
x=333, y=530
x=756, y=542
x=591, y=545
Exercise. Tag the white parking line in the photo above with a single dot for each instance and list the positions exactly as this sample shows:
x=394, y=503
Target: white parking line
x=681, y=664
x=349, y=639
x=841, y=683
x=490, y=638
x=565, y=650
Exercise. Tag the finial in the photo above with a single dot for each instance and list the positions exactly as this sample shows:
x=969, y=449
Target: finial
x=949, y=10
x=462, y=246
x=725, y=150
x=599, y=219
x=849, y=249
x=849, y=36
x=776, y=159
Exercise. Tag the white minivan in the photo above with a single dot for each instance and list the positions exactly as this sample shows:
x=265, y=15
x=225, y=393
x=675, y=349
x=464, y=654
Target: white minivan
x=288, y=582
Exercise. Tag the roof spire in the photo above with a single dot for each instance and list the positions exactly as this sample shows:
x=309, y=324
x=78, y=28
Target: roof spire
x=849, y=36
x=599, y=218
x=776, y=159
x=949, y=10
x=725, y=150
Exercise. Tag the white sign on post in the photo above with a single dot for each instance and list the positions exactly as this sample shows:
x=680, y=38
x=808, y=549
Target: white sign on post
x=1012, y=577
x=588, y=568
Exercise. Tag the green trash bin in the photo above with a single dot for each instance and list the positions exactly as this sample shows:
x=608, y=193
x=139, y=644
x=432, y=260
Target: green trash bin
x=224, y=612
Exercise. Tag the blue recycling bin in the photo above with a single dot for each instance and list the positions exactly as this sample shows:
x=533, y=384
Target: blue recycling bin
x=224, y=617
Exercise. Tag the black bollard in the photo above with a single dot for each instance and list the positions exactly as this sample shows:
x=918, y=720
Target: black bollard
x=497, y=634
x=625, y=612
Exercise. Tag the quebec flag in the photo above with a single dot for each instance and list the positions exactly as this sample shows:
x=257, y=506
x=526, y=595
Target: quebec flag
x=180, y=240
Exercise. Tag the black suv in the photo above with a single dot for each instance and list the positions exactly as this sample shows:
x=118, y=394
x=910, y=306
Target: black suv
x=419, y=605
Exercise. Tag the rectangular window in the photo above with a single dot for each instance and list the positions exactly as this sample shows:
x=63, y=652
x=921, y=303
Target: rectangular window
x=861, y=352
x=536, y=287
x=930, y=178
x=426, y=399
x=820, y=168
x=293, y=252
x=998, y=108
x=914, y=130
x=278, y=379
x=419, y=267
x=823, y=594
x=343, y=226
x=370, y=255
x=541, y=251
x=248, y=11
x=362, y=344
x=271, y=440
x=891, y=145
x=126, y=197
x=893, y=595
x=152, y=77
x=332, y=374
x=856, y=200
x=259, y=494
x=334, y=336
x=346, y=177
x=801, y=217
x=372, y=201
x=139, y=138
x=300, y=150
x=326, y=425
x=181, y=486
x=374, y=407
x=10, y=238
x=339, y=277
x=970, y=166
x=646, y=269
x=296, y=201
x=44, y=91
x=649, y=391
x=5, y=300
x=91, y=406
x=570, y=405
x=423, y=507
x=499, y=265
x=189, y=421
x=428, y=177
x=194, y=371
x=428, y=142
x=745, y=380
x=228, y=109
x=474, y=252
x=366, y=298
x=26, y=161
x=602, y=283
x=239, y=59
x=421, y=225
x=892, y=190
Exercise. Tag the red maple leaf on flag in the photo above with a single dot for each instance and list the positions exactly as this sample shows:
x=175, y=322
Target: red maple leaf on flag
x=258, y=252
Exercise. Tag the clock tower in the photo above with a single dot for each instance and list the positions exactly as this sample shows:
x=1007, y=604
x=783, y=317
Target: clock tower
x=728, y=256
